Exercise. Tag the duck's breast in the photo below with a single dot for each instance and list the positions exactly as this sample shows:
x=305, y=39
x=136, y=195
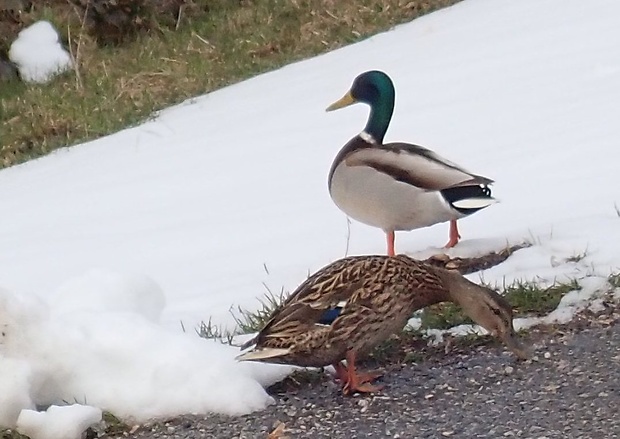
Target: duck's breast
x=377, y=199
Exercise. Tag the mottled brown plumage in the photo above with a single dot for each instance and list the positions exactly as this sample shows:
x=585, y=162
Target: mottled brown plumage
x=351, y=305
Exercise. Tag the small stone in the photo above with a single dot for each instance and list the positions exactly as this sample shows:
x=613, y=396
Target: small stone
x=508, y=370
x=441, y=257
x=547, y=355
x=363, y=403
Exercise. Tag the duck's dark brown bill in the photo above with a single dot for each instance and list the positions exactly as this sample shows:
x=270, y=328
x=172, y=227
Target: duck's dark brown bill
x=516, y=347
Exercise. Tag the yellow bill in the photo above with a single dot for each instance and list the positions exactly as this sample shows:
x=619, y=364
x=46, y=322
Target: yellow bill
x=344, y=101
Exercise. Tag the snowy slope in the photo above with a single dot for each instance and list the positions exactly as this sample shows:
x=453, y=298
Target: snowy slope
x=115, y=242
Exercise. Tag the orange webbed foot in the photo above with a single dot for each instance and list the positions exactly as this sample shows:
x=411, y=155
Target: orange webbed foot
x=350, y=389
x=353, y=382
x=454, y=235
x=368, y=377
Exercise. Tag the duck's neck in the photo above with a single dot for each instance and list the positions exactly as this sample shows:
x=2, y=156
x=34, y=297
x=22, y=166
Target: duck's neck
x=459, y=289
x=479, y=303
x=380, y=115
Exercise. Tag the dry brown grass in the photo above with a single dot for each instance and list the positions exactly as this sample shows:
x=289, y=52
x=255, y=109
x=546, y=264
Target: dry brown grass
x=112, y=88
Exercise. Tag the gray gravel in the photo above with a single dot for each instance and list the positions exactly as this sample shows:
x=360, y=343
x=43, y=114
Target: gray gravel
x=570, y=389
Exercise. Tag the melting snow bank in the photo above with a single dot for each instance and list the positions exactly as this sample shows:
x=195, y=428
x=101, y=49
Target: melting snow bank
x=66, y=422
x=98, y=341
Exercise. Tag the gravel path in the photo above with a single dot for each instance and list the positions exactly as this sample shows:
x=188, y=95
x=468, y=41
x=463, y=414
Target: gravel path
x=570, y=389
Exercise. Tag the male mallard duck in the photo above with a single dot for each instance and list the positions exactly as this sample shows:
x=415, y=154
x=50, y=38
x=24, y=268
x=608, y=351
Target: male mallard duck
x=398, y=186
x=352, y=304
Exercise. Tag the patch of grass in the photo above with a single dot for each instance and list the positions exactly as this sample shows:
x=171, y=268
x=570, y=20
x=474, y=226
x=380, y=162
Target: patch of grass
x=443, y=316
x=526, y=298
x=577, y=257
x=113, y=425
x=110, y=426
x=112, y=88
x=254, y=321
x=210, y=331
x=614, y=280
x=247, y=321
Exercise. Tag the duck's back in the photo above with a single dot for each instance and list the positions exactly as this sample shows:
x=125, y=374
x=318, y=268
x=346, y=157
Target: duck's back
x=351, y=304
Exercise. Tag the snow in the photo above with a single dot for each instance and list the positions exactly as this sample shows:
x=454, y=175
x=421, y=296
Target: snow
x=14, y=395
x=114, y=251
x=38, y=53
x=66, y=422
x=104, y=353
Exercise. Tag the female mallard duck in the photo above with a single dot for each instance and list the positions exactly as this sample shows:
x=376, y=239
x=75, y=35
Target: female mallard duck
x=398, y=186
x=351, y=305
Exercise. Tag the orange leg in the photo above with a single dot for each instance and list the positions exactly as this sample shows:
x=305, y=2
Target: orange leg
x=342, y=374
x=390, y=243
x=368, y=377
x=454, y=235
x=355, y=382
x=341, y=371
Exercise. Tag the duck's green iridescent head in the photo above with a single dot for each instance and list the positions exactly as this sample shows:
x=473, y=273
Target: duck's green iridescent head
x=376, y=89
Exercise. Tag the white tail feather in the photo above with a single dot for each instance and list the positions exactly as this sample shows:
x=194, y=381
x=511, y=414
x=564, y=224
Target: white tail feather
x=262, y=354
x=474, y=203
